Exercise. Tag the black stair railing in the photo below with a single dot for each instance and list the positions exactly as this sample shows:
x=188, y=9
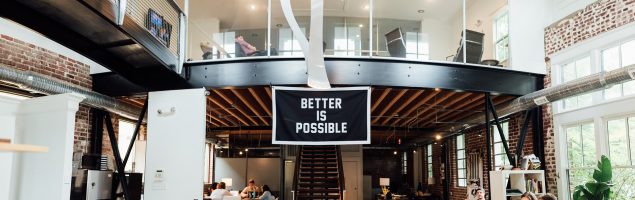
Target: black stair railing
x=296, y=174
x=342, y=182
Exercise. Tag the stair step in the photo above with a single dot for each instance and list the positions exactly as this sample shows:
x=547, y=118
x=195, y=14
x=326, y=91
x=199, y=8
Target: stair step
x=319, y=179
x=319, y=150
x=318, y=156
x=320, y=164
x=319, y=159
x=309, y=190
x=318, y=184
x=313, y=197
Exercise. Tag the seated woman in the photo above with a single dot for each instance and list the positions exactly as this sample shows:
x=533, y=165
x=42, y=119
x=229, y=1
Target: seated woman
x=266, y=193
x=528, y=196
x=220, y=192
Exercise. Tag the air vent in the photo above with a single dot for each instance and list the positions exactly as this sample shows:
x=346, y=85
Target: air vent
x=541, y=100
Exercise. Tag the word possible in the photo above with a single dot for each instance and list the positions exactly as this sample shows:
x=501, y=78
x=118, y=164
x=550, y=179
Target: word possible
x=321, y=126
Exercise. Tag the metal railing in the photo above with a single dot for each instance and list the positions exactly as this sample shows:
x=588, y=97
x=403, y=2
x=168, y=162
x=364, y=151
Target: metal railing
x=340, y=170
x=296, y=174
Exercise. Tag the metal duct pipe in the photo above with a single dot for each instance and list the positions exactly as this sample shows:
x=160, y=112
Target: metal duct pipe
x=576, y=87
x=28, y=80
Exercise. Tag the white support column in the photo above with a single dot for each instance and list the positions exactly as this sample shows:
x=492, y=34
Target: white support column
x=45, y=121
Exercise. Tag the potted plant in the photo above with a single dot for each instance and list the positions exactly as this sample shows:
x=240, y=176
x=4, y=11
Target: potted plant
x=600, y=187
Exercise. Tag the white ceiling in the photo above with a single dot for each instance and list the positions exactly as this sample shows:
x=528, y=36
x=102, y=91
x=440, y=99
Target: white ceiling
x=238, y=14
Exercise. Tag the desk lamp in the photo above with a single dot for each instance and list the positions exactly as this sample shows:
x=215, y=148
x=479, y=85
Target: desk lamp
x=384, y=183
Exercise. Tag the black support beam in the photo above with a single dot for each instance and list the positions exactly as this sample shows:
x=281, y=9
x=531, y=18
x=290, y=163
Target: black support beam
x=499, y=127
x=118, y=162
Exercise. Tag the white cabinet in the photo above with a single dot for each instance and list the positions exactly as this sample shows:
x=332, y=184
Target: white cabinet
x=520, y=180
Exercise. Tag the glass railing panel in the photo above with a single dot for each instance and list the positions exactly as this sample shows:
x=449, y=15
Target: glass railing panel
x=283, y=41
x=224, y=29
x=487, y=26
x=418, y=30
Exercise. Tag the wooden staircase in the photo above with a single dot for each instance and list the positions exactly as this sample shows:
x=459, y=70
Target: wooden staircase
x=319, y=174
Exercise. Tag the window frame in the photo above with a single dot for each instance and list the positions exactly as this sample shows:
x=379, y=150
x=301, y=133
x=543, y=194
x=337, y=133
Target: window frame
x=458, y=160
x=561, y=80
x=493, y=131
x=504, y=38
x=620, y=61
x=429, y=166
x=120, y=141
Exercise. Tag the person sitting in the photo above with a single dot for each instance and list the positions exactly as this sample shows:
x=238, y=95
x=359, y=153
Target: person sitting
x=266, y=193
x=220, y=192
x=251, y=190
x=248, y=49
x=528, y=196
x=548, y=196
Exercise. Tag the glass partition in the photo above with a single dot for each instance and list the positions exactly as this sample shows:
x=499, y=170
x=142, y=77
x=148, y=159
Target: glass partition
x=416, y=30
x=487, y=23
x=221, y=29
x=430, y=30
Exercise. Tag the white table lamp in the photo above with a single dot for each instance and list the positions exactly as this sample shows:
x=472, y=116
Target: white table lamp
x=384, y=183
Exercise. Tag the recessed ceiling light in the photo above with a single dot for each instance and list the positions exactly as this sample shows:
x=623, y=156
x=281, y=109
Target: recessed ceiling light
x=361, y=25
x=421, y=11
x=252, y=7
x=357, y=35
x=366, y=7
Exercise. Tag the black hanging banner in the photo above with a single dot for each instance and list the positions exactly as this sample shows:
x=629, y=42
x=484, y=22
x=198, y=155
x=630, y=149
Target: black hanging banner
x=307, y=116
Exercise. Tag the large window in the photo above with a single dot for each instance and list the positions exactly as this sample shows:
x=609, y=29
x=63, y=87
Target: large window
x=501, y=37
x=289, y=45
x=581, y=153
x=404, y=160
x=621, y=139
x=614, y=58
x=461, y=172
x=429, y=160
x=500, y=156
x=417, y=46
x=126, y=129
x=574, y=70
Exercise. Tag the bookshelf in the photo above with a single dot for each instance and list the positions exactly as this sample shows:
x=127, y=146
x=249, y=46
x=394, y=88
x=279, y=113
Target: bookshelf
x=521, y=180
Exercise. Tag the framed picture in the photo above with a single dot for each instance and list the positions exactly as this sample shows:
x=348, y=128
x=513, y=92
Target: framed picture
x=159, y=27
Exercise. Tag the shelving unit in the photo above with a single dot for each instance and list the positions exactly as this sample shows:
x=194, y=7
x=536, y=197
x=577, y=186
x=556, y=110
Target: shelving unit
x=5, y=145
x=518, y=180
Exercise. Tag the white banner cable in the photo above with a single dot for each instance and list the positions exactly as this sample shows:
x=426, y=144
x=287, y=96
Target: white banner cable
x=312, y=49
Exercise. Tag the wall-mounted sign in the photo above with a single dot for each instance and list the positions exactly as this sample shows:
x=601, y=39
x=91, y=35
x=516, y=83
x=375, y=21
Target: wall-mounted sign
x=159, y=27
x=307, y=116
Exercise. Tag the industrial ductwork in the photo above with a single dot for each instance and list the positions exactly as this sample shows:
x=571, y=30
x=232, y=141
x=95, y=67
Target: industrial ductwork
x=576, y=87
x=33, y=82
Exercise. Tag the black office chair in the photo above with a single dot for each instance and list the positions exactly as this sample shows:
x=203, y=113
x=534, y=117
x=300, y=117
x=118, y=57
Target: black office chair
x=395, y=43
x=474, y=51
x=239, y=50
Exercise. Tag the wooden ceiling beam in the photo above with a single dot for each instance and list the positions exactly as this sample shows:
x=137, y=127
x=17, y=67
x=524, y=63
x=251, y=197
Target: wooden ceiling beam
x=218, y=115
x=497, y=101
x=403, y=105
x=416, y=106
x=449, y=104
x=212, y=117
x=248, y=104
x=220, y=105
x=390, y=104
x=231, y=103
x=264, y=106
x=466, y=105
x=380, y=99
x=435, y=103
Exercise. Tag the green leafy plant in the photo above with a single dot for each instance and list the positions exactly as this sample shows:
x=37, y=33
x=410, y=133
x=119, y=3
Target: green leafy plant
x=600, y=188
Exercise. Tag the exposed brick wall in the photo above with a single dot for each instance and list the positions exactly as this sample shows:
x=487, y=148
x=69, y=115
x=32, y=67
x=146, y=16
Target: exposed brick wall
x=595, y=19
x=17, y=54
x=475, y=141
x=586, y=23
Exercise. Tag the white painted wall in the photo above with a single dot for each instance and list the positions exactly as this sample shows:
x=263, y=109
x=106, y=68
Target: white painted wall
x=176, y=145
x=45, y=121
x=15, y=30
x=441, y=42
x=526, y=30
x=8, y=110
x=262, y=170
x=484, y=11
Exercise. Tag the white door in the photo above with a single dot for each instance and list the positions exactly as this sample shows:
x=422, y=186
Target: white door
x=175, y=147
x=351, y=176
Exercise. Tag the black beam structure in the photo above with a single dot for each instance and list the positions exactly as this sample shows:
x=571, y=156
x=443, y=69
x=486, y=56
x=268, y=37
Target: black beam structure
x=500, y=131
x=446, y=162
x=363, y=72
x=282, y=169
x=97, y=129
x=523, y=134
x=538, y=137
x=118, y=162
x=488, y=139
x=136, y=131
